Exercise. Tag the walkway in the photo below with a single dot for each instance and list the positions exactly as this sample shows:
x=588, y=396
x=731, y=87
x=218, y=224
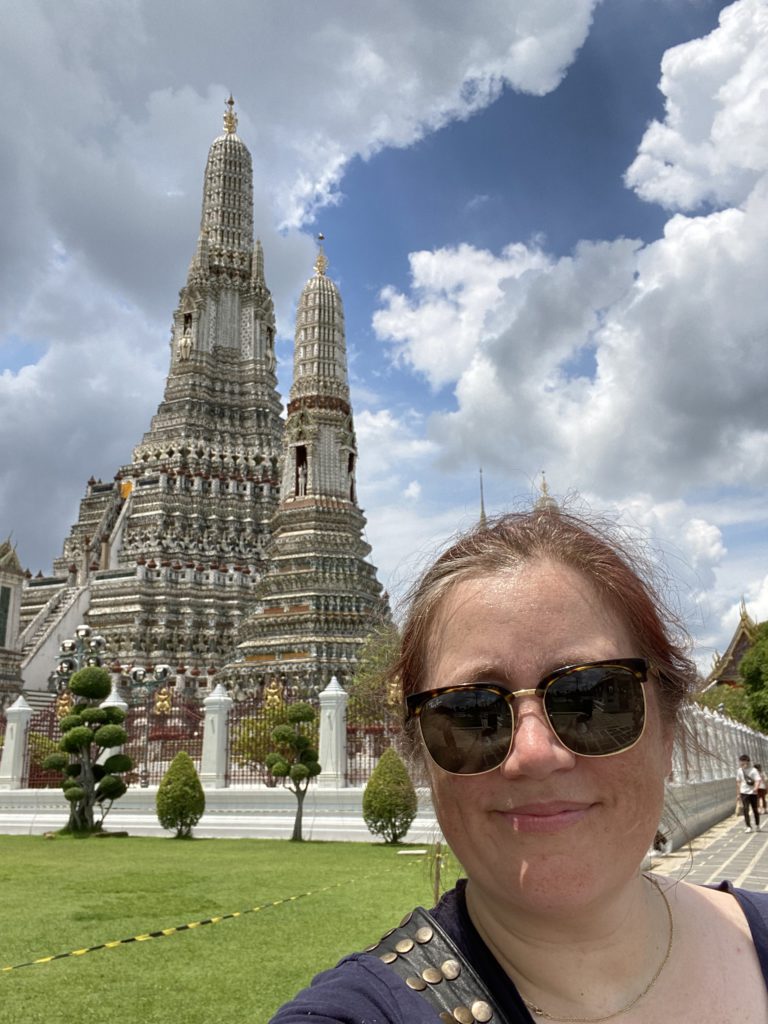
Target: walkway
x=725, y=851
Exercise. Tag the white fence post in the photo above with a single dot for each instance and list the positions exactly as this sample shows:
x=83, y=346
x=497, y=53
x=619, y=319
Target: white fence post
x=114, y=700
x=213, y=769
x=333, y=736
x=15, y=744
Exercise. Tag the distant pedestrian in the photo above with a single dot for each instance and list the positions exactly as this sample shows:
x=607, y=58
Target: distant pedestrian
x=746, y=781
x=761, y=789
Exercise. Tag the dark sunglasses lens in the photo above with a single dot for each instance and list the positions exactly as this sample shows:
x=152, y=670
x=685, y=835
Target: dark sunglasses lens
x=467, y=731
x=596, y=711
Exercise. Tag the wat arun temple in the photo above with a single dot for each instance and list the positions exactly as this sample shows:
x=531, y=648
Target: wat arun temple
x=231, y=546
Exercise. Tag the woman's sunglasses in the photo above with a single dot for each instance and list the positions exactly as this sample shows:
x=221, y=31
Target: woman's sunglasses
x=595, y=710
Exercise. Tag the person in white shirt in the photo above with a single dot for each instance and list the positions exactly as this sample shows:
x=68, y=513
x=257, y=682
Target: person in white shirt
x=747, y=780
x=761, y=788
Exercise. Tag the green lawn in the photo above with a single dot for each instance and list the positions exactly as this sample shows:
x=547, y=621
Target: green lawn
x=63, y=894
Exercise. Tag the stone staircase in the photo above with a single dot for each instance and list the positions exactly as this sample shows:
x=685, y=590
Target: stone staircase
x=39, y=700
x=40, y=622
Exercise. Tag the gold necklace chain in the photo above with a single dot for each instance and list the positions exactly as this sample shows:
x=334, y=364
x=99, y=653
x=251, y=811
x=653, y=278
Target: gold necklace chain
x=539, y=1012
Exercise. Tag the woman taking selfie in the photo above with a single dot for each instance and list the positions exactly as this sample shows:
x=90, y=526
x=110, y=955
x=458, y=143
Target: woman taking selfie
x=541, y=681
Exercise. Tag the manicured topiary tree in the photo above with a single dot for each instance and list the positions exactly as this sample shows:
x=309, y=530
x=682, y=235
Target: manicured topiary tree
x=389, y=801
x=180, y=799
x=294, y=759
x=88, y=731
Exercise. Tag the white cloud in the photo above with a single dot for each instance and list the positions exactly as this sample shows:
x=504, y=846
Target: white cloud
x=455, y=294
x=757, y=599
x=412, y=491
x=634, y=373
x=391, y=448
x=713, y=143
x=616, y=368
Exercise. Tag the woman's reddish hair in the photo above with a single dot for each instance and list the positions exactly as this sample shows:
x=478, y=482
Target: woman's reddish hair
x=597, y=550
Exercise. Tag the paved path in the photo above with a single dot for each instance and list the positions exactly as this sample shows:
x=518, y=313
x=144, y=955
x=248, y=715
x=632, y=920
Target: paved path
x=725, y=851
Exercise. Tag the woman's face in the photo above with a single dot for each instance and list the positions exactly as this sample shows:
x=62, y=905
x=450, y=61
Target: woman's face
x=548, y=829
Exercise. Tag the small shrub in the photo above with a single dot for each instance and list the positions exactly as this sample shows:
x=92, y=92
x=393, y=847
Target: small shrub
x=110, y=736
x=116, y=716
x=91, y=682
x=56, y=763
x=110, y=788
x=180, y=798
x=118, y=763
x=70, y=722
x=389, y=801
x=97, y=715
x=77, y=738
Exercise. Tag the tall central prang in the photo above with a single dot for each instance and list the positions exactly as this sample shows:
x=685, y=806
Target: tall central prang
x=163, y=559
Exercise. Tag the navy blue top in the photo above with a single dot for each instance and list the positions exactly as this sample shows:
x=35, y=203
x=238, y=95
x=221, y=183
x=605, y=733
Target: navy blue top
x=363, y=990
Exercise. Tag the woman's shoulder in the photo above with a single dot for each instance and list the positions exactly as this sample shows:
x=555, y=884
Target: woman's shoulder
x=726, y=908
x=756, y=901
x=754, y=905
x=359, y=987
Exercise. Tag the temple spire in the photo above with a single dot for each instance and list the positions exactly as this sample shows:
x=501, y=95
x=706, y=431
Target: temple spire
x=230, y=117
x=483, y=519
x=545, y=499
x=320, y=351
x=321, y=263
x=227, y=212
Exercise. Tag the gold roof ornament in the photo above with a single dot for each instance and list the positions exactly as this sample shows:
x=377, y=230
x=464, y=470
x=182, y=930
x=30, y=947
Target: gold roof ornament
x=230, y=117
x=745, y=617
x=545, y=499
x=321, y=263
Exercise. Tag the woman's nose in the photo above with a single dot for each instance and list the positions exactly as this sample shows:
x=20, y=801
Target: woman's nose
x=536, y=751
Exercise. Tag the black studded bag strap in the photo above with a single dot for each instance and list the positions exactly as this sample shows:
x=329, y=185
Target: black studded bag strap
x=430, y=963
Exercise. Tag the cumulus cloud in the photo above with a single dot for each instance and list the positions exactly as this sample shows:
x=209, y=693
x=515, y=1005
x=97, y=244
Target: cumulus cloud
x=757, y=600
x=712, y=145
x=622, y=368
x=388, y=443
x=634, y=373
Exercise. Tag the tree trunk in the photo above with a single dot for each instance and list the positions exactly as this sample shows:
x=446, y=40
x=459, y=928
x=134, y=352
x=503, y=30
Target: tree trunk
x=81, y=812
x=300, y=794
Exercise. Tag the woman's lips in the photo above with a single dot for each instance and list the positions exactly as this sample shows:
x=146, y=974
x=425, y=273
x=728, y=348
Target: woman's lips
x=546, y=817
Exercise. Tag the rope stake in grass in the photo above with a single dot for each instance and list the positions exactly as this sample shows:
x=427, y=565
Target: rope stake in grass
x=114, y=943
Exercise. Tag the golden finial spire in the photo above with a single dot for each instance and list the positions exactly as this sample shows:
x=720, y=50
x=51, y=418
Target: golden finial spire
x=545, y=499
x=230, y=118
x=321, y=263
x=746, y=619
x=483, y=520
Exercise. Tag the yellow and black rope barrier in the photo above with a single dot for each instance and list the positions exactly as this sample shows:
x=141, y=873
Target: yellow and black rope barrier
x=164, y=932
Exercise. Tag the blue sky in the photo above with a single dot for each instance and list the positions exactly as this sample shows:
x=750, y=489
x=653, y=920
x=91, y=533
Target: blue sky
x=546, y=217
